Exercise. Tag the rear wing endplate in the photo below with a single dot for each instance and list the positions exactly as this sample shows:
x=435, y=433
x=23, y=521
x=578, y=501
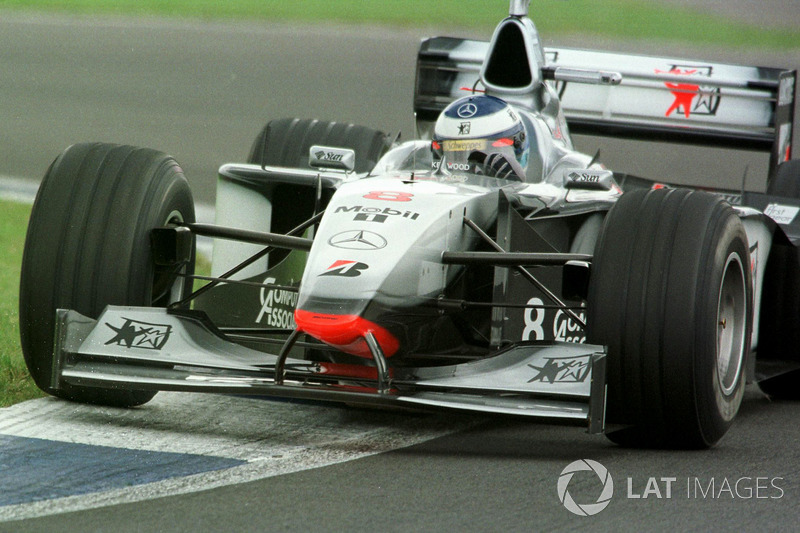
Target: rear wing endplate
x=660, y=99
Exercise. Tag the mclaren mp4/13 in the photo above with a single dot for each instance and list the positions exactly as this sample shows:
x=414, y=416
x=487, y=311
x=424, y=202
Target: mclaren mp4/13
x=486, y=266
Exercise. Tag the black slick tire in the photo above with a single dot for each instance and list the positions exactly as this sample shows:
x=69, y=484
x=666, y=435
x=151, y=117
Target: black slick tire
x=671, y=298
x=286, y=142
x=88, y=246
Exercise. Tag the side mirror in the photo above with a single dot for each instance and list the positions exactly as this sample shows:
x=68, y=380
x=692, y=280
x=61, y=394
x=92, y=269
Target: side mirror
x=579, y=75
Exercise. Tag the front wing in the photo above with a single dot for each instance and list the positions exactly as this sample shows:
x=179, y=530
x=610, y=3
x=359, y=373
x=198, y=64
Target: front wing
x=142, y=348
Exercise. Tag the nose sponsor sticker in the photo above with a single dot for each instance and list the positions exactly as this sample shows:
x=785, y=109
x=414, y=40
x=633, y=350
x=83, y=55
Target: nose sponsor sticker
x=357, y=240
x=345, y=269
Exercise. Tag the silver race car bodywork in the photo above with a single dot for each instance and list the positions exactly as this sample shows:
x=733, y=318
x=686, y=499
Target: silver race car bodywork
x=417, y=285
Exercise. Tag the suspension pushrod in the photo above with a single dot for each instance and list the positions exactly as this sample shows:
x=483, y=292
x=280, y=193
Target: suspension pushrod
x=287, y=288
x=460, y=305
x=255, y=237
x=511, y=259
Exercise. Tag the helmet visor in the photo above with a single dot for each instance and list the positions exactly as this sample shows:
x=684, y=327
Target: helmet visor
x=468, y=155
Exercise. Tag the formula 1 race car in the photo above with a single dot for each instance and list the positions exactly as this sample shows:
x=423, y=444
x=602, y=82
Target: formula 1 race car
x=486, y=266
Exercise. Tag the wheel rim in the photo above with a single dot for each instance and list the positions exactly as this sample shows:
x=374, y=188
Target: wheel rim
x=731, y=325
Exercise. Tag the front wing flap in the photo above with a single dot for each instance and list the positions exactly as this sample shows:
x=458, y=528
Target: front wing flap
x=144, y=348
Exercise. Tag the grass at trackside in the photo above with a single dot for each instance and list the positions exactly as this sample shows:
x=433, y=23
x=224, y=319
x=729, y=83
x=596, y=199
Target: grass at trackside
x=638, y=19
x=15, y=382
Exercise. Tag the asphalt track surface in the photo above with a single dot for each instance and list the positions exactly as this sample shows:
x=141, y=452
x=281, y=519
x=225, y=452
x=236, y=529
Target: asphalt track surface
x=201, y=92
x=764, y=13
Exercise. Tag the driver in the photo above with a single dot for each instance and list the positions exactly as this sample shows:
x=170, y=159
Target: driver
x=483, y=135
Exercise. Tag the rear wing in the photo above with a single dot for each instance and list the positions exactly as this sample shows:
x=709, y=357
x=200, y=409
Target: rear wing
x=658, y=98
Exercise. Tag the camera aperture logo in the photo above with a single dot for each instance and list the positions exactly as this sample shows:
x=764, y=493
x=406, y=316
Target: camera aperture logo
x=606, y=492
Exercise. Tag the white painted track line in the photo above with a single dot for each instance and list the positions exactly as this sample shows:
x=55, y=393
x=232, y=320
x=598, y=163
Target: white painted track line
x=265, y=438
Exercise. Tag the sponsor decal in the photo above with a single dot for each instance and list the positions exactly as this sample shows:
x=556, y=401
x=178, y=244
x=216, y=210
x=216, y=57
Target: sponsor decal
x=462, y=167
x=464, y=128
x=277, y=306
x=322, y=155
x=465, y=145
x=137, y=334
x=782, y=214
x=562, y=370
x=691, y=98
x=467, y=110
x=590, y=179
x=366, y=217
x=584, y=177
x=585, y=509
x=564, y=328
x=376, y=214
x=458, y=166
x=345, y=269
x=357, y=240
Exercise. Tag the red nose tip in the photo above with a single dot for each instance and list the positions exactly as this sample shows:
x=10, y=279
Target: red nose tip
x=346, y=332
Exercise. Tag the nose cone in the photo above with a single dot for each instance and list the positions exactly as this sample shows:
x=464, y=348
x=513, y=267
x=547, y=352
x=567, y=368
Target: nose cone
x=376, y=261
x=346, y=332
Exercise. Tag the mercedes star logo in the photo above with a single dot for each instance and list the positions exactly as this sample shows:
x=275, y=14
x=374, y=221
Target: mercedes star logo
x=357, y=240
x=467, y=110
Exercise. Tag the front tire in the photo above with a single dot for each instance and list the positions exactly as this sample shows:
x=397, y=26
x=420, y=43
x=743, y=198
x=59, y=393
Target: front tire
x=671, y=298
x=88, y=246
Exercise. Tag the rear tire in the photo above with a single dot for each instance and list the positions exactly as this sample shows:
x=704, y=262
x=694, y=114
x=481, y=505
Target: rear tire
x=286, y=142
x=671, y=298
x=786, y=182
x=88, y=246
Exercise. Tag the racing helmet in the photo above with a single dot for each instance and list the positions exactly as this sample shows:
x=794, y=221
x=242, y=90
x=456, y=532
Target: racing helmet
x=475, y=127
